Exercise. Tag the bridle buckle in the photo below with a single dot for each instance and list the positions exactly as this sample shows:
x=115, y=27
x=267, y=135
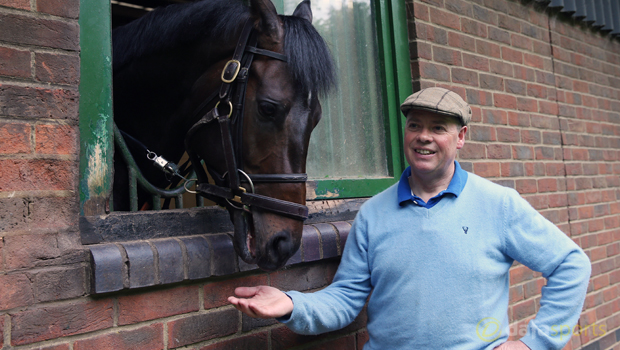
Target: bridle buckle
x=230, y=71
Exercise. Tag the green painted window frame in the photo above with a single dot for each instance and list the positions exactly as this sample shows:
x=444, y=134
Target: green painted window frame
x=96, y=116
x=96, y=105
x=395, y=66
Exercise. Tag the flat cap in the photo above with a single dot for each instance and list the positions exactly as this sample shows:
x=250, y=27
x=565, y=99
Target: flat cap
x=438, y=100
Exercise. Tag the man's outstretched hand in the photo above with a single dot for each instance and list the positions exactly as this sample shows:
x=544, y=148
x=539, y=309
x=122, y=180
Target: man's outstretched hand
x=262, y=302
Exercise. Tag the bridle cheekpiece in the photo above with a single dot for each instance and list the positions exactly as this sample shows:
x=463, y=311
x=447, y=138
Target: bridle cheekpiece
x=227, y=113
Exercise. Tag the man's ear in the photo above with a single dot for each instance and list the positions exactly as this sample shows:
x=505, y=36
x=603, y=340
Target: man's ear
x=461, y=142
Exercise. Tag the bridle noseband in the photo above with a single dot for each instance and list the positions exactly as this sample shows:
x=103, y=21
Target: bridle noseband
x=229, y=110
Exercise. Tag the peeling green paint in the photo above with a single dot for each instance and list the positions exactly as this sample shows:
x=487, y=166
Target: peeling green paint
x=96, y=158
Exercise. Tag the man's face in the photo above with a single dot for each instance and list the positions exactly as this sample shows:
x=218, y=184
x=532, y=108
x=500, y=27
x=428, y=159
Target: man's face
x=431, y=142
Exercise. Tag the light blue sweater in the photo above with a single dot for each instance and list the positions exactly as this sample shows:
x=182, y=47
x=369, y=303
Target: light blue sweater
x=439, y=276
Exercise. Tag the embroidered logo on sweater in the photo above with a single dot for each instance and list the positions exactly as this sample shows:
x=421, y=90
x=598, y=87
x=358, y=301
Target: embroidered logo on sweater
x=465, y=229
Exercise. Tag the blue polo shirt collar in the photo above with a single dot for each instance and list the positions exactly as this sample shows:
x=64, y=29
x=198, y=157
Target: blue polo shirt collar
x=454, y=188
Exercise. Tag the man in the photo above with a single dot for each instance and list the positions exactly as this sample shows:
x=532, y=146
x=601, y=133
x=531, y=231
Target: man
x=435, y=250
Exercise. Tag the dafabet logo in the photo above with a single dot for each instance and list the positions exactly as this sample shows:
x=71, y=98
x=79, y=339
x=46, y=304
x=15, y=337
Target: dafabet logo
x=488, y=329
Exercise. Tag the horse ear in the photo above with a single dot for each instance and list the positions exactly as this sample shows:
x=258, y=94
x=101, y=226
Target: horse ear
x=304, y=11
x=266, y=19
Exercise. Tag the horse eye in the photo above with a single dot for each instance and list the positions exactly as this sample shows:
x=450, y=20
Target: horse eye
x=267, y=109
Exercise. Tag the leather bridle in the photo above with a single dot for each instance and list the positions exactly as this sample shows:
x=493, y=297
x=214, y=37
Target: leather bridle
x=227, y=113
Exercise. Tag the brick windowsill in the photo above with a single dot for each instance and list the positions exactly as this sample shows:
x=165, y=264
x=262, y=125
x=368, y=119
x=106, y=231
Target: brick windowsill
x=137, y=264
x=136, y=250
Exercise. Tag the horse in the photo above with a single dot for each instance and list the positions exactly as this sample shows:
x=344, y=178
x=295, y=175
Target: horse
x=168, y=70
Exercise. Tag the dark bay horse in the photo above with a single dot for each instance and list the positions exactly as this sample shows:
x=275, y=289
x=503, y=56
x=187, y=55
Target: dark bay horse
x=168, y=62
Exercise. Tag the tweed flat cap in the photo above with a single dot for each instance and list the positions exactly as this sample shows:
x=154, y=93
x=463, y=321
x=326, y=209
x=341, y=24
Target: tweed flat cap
x=438, y=100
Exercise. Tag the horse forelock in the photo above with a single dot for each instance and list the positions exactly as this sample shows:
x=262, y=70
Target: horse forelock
x=309, y=58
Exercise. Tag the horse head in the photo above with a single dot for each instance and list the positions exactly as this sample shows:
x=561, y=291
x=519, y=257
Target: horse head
x=280, y=110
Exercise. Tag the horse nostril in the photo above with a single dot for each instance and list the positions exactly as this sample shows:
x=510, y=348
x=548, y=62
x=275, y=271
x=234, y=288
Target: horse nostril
x=281, y=245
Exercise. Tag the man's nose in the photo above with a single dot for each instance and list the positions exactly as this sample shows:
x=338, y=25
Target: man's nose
x=425, y=135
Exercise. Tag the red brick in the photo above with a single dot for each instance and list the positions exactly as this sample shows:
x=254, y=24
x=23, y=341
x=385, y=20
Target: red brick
x=144, y=338
x=26, y=250
x=535, y=61
x=256, y=341
x=14, y=63
x=534, y=169
x=527, y=104
x=464, y=76
x=50, y=322
x=470, y=26
x=512, y=55
x=505, y=101
x=581, y=86
x=508, y=134
x=558, y=200
x=516, y=293
x=482, y=133
x=37, y=174
x=523, y=309
x=493, y=116
x=421, y=11
x=498, y=152
x=60, y=69
x=533, y=288
x=531, y=136
x=518, y=119
x=488, y=49
x=37, y=31
x=216, y=294
x=522, y=152
x=526, y=186
x=17, y=101
x=548, y=107
x=447, y=56
x=14, y=138
x=149, y=306
x=472, y=151
x=487, y=169
x=500, y=67
x=16, y=291
x=444, y=18
x=461, y=41
x=201, y=327
x=63, y=8
x=56, y=139
x=479, y=63
x=60, y=283
x=512, y=169
x=18, y=4
x=36, y=215
x=548, y=153
x=434, y=71
x=362, y=339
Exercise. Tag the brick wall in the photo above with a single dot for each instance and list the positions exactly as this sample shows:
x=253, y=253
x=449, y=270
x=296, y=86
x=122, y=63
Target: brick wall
x=41, y=262
x=545, y=95
x=546, y=122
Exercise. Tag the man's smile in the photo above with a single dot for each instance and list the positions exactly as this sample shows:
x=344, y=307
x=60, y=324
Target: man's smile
x=424, y=151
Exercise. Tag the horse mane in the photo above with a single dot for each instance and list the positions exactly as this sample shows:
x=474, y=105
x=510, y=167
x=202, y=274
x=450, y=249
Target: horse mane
x=309, y=58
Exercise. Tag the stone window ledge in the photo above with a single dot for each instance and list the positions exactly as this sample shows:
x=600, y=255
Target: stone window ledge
x=154, y=262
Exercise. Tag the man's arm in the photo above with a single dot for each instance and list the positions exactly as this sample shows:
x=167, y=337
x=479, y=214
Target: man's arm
x=329, y=309
x=540, y=245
